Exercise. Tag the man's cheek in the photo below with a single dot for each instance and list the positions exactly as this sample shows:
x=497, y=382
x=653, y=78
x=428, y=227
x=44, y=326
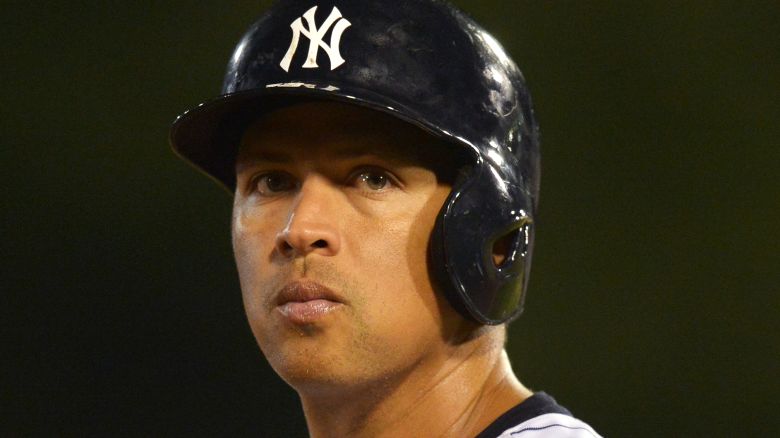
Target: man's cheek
x=254, y=287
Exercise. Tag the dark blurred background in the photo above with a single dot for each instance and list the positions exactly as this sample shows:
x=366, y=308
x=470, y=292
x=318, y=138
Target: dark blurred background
x=653, y=305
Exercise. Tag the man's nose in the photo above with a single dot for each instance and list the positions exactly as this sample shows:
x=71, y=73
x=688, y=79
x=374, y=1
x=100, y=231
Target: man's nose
x=312, y=224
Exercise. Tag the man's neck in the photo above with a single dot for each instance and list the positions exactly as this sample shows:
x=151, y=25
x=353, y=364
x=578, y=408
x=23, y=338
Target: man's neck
x=457, y=395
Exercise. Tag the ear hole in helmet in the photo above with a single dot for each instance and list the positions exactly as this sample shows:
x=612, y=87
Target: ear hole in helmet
x=504, y=246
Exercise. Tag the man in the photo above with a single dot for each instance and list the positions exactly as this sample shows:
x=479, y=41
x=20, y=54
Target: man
x=383, y=159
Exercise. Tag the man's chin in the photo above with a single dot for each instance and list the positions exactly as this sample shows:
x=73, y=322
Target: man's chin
x=313, y=376
x=307, y=354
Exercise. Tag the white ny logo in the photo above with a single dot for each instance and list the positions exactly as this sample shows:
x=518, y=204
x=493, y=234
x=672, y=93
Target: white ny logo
x=315, y=37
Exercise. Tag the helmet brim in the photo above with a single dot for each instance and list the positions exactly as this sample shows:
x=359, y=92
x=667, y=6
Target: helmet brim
x=208, y=135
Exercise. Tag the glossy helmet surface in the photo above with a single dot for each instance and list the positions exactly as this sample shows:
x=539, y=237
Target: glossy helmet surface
x=429, y=64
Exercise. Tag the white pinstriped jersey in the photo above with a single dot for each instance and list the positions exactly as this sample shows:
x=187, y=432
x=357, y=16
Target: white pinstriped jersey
x=551, y=426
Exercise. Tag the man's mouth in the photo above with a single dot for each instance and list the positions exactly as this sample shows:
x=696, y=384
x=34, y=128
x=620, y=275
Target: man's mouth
x=305, y=301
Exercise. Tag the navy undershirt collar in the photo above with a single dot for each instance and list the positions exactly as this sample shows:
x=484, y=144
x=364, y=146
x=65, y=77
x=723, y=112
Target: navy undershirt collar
x=534, y=406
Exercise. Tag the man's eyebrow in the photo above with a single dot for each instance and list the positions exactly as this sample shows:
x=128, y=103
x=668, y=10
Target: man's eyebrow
x=271, y=157
x=345, y=153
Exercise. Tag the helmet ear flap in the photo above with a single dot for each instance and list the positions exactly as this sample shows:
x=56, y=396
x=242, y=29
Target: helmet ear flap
x=481, y=247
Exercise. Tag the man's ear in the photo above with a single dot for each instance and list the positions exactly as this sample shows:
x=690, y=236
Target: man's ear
x=503, y=246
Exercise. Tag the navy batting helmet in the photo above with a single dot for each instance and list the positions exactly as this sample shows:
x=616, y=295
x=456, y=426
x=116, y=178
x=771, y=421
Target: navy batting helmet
x=425, y=62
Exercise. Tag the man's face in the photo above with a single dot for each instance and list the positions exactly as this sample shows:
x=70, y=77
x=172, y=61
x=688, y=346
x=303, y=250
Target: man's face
x=331, y=224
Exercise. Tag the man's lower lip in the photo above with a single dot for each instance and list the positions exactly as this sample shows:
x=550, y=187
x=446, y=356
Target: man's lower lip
x=308, y=311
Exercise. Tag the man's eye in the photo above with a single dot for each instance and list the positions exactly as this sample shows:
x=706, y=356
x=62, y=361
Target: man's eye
x=271, y=184
x=373, y=180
